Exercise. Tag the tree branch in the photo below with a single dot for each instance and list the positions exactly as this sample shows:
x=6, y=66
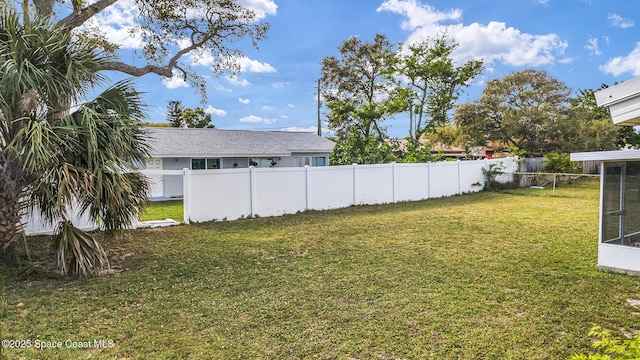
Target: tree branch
x=138, y=71
x=80, y=16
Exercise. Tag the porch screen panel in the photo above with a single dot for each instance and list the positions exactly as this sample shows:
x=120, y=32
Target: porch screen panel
x=612, y=207
x=631, y=215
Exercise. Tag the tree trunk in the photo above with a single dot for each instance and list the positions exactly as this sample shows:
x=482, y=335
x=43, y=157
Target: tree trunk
x=11, y=189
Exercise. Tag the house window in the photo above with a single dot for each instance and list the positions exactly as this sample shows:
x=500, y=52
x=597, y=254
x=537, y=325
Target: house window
x=318, y=161
x=263, y=162
x=202, y=164
x=301, y=161
x=621, y=203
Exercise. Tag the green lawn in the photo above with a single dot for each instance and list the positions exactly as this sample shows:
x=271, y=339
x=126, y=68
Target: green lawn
x=162, y=210
x=507, y=275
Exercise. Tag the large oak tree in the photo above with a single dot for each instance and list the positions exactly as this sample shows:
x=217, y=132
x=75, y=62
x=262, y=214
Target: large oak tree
x=168, y=30
x=519, y=110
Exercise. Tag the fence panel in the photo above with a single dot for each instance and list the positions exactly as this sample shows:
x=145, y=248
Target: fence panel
x=330, y=187
x=444, y=179
x=374, y=184
x=471, y=176
x=278, y=191
x=411, y=182
x=217, y=194
x=508, y=166
x=234, y=193
x=35, y=224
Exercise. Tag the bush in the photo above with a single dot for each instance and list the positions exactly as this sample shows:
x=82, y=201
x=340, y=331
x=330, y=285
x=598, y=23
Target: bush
x=491, y=174
x=558, y=163
x=608, y=347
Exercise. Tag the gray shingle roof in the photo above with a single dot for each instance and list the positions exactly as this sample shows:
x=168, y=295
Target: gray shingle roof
x=180, y=142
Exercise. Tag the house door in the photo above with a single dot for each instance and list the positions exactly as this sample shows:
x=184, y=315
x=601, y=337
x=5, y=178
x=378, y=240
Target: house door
x=621, y=203
x=156, y=187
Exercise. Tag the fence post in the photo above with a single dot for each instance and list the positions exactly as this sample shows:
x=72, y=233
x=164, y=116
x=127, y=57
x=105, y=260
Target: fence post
x=459, y=179
x=354, y=184
x=186, y=198
x=251, y=191
x=306, y=187
x=429, y=180
x=393, y=181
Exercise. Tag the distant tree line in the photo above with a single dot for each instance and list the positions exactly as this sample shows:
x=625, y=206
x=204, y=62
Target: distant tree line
x=527, y=112
x=179, y=116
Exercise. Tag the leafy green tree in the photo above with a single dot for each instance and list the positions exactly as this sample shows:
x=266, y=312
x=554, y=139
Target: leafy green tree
x=174, y=113
x=206, y=26
x=588, y=127
x=585, y=105
x=57, y=149
x=518, y=110
x=558, y=163
x=357, y=87
x=180, y=116
x=433, y=84
x=355, y=149
x=197, y=118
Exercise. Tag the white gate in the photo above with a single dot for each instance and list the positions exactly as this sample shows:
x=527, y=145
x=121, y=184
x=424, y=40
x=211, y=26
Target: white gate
x=156, y=188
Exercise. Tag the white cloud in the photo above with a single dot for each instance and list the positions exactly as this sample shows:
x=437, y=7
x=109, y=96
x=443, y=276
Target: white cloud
x=300, y=129
x=254, y=66
x=624, y=64
x=261, y=8
x=234, y=80
x=174, y=82
x=244, y=101
x=257, y=120
x=618, y=21
x=592, y=46
x=213, y=111
x=492, y=42
x=116, y=22
x=222, y=88
x=279, y=84
x=417, y=14
x=204, y=58
x=267, y=108
x=311, y=129
x=291, y=106
x=543, y=2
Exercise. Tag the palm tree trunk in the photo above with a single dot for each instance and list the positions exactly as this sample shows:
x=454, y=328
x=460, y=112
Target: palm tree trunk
x=10, y=208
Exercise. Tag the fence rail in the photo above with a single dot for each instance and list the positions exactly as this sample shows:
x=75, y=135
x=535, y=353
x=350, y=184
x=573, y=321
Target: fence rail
x=235, y=193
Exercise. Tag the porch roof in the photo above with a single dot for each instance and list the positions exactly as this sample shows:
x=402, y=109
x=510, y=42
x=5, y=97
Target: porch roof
x=615, y=155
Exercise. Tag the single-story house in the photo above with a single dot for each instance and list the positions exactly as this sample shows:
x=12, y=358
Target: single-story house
x=619, y=227
x=209, y=149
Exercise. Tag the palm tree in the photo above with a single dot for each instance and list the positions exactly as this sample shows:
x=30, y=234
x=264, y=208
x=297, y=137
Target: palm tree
x=58, y=150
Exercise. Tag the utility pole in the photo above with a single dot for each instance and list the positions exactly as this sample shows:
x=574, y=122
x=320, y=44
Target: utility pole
x=319, y=104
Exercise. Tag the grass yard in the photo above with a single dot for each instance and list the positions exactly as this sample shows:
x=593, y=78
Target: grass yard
x=162, y=210
x=492, y=275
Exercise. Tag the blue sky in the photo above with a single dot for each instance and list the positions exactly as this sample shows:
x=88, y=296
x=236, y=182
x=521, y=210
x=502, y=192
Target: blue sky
x=583, y=43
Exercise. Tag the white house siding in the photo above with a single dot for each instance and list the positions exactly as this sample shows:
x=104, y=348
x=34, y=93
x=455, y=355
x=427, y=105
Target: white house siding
x=227, y=163
x=173, y=185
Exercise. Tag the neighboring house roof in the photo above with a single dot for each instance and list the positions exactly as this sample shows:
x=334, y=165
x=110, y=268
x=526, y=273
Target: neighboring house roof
x=182, y=142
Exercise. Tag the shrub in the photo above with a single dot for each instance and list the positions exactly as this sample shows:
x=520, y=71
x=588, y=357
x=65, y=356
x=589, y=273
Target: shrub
x=608, y=347
x=558, y=163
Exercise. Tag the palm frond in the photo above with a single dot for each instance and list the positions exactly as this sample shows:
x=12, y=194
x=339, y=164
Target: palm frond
x=77, y=252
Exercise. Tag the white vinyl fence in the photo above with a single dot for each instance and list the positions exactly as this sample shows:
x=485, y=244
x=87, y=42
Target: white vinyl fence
x=230, y=194
x=235, y=193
